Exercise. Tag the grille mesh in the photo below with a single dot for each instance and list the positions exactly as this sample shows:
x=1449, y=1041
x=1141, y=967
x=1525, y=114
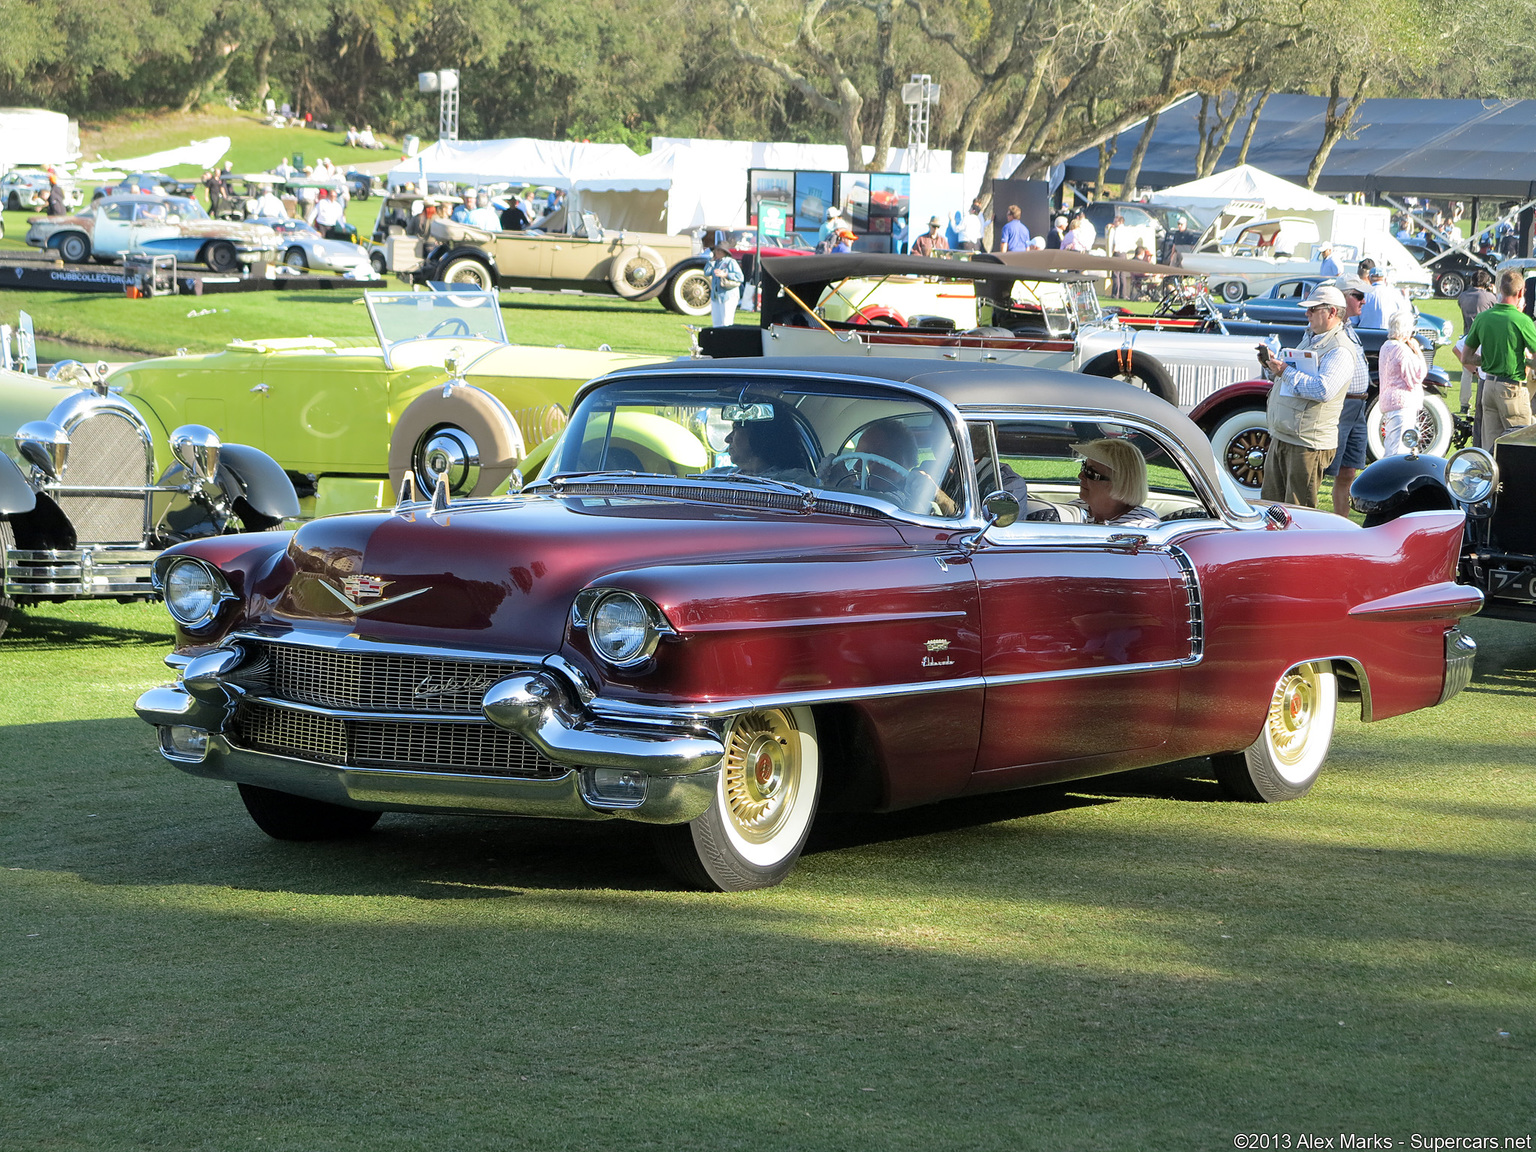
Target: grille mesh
x=375, y=681
x=106, y=450
x=476, y=749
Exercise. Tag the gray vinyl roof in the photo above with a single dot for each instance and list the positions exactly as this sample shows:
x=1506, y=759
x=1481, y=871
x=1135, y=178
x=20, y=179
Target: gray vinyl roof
x=1460, y=148
x=966, y=386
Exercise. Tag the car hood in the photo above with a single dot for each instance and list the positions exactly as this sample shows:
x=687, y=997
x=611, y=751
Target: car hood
x=502, y=574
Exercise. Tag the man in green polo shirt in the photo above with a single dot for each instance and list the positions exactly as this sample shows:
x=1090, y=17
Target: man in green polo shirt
x=1501, y=342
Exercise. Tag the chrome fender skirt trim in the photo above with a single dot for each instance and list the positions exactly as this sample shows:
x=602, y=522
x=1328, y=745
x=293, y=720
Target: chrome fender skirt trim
x=535, y=707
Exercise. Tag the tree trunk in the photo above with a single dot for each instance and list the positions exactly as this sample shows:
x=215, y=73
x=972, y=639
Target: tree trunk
x=1336, y=124
x=1253, y=122
x=1107, y=152
x=1138, y=154
x=1225, y=124
x=1200, y=135
x=263, y=81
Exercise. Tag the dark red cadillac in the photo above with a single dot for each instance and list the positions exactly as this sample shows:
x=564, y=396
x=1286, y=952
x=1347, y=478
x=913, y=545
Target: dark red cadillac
x=739, y=590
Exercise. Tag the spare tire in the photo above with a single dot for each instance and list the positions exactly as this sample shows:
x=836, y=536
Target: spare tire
x=469, y=429
x=1138, y=369
x=634, y=269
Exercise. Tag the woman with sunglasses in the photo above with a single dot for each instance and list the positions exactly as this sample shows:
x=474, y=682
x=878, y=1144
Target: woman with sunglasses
x=1112, y=484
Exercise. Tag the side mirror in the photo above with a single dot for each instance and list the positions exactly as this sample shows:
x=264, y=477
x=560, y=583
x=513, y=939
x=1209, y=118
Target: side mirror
x=1002, y=508
x=198, y=450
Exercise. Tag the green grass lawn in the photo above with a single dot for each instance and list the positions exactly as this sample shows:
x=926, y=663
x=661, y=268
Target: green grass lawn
x=1131, y=962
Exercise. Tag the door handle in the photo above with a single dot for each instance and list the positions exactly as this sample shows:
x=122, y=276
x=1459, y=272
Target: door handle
x=262, y=388
x=1127, y=541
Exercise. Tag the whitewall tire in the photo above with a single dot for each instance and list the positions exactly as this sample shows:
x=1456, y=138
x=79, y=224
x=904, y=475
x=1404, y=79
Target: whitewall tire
x=1284, y=762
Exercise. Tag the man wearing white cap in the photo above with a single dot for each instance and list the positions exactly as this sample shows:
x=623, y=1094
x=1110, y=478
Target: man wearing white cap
x=1305, y=403
x=1327, y=267
x=831, y=226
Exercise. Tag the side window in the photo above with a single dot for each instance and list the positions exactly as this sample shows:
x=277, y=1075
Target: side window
x=1050, y=465
x=1289, y=290
x=118, y=212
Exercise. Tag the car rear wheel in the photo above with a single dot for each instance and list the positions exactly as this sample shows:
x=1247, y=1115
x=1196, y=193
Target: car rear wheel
x=1284, y=762
x=1451, y=284
x=636, y=268
x=1436, y=427
x=222, y=257
x=1233, y=291
x=14, y=203
x=765, y=801
x=688, y=293
x=283, y=816
x=295, y=258
x=468, y=270
x=1241, y=442
x=75, y=247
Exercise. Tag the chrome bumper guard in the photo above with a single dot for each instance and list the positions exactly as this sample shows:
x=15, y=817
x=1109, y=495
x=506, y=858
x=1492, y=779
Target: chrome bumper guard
x=669, y=773
x=1460, y=652
x=79, y=572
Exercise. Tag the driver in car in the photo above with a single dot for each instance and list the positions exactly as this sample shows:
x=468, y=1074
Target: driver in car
x=1112, y=485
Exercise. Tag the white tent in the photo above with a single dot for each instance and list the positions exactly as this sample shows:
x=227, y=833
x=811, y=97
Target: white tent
x=201, y=153
x=1208, y=195
x=36, y=136
x=559, y=163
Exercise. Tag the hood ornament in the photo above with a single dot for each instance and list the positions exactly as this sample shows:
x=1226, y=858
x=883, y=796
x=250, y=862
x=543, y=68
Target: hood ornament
x=358, y=589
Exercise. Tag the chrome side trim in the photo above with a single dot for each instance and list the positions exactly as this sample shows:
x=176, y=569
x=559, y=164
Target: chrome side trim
x=1196, y=604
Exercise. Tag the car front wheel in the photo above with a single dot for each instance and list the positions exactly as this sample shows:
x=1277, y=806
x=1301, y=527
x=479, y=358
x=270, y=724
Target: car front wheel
x=283, y=816
x=1241, y=443
x=765, y=801
x=295, y=258
x=1451, y=285
x=1284, y=762
x=688, y=293
x=74, y=247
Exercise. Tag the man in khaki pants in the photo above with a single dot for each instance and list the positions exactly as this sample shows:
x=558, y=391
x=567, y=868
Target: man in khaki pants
x=1501, y=343
x=1306, y=400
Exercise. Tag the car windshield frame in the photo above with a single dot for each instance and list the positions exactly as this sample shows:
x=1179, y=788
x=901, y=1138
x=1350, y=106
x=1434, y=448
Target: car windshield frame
x=799, y=443
x=409, y=317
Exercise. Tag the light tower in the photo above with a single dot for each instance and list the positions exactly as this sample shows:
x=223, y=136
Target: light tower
x=921, y=96
x=446, y=84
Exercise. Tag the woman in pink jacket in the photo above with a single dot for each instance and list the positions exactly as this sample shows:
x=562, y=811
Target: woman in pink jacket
x=1401, y=379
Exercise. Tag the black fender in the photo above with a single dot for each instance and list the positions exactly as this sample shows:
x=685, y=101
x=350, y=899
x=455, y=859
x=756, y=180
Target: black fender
x=16, y=495
x=1397, y=485
x=267, y=487
x=44, y=527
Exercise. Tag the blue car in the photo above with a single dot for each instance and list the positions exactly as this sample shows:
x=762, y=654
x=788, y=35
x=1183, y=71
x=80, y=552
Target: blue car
x=1281, y=304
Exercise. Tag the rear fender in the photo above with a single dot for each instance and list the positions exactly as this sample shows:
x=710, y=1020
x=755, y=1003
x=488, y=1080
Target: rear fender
x=1215, y=407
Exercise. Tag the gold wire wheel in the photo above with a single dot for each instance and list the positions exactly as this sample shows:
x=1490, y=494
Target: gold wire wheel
x=762, y=773
x=1292, y=710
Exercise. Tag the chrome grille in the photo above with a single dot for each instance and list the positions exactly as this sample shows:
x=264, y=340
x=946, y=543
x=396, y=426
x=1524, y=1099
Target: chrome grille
x=374, y=681
x=474, y=749
x=106, y=450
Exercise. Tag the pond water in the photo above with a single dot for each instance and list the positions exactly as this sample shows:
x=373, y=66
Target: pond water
x=50, y=351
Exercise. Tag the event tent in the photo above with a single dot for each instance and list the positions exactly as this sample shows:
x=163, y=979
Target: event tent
x=1459, y=148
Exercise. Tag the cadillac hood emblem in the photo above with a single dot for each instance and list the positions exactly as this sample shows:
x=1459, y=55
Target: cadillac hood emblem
x=358, y=590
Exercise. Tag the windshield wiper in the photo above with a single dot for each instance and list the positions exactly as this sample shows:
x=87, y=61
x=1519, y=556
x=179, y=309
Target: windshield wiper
x=765, y=481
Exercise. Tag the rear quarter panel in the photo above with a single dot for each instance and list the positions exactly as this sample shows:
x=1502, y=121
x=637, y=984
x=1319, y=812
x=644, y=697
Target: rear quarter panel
x=1274, y=599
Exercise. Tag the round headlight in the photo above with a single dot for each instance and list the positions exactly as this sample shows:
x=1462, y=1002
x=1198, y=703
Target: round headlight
x=1471, y=475
x=621, y=629
x=192, y=592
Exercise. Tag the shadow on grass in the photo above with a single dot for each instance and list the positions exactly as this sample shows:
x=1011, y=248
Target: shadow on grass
x=36, y=628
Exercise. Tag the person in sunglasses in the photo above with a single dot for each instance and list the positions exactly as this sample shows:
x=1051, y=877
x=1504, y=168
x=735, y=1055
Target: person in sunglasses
x=1111, y=485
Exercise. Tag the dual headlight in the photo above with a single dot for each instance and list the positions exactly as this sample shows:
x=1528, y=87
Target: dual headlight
x=193, y=592
x=623, y=628
x=1471, y=475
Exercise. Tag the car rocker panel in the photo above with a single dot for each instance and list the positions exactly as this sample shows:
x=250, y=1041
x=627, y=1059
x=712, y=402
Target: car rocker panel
x=660, y=631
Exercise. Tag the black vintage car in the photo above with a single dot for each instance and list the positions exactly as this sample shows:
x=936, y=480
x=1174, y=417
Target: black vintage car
x=1498, y=493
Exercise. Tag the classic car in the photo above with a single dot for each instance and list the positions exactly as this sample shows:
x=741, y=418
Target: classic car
x=1030, y=313
x=302, y=248
x=1452, y=269
x=84, y=506
x=120, y=225
x=438, y=388
x=21, y=190
x=149, y=182
x=742, y=591
x=633, y=265
x=1250, y=256
x=1281, y=303
x=1497, y=492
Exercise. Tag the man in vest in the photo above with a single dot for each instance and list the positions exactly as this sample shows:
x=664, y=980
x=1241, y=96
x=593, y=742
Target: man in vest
x=1306, y=401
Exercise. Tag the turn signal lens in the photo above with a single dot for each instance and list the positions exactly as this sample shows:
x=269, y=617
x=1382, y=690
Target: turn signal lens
x=1471, y=475
x=621, y=629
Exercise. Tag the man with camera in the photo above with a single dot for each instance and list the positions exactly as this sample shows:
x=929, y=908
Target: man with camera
x=1307, y=399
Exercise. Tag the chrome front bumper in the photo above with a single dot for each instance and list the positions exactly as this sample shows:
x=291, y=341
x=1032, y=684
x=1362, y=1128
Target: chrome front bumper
x=657, y=772
x=79, y=572
x=1460, y=652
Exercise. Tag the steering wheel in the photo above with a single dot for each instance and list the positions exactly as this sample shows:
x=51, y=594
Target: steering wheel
x=453, y=326
x=855, y=471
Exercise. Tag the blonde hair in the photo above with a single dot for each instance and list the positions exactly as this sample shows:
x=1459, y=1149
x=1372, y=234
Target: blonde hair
x=1127, y=466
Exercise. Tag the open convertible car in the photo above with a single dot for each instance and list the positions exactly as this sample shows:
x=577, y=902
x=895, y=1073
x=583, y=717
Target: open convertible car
x=743, y=590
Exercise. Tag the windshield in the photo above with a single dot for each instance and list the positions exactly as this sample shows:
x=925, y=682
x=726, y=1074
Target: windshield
x=790, y=435
x=401, y=316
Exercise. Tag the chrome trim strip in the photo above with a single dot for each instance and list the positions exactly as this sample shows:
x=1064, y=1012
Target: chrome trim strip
x=355, y=714
x=1196, y=604
x=351, y=642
